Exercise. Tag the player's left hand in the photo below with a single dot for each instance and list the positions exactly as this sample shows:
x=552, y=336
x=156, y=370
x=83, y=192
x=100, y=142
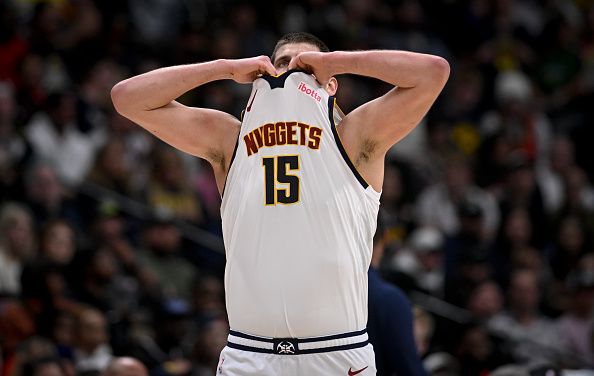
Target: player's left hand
x=313, y=62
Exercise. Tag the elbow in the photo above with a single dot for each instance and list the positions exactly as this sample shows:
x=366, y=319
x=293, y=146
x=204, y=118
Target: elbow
x=119, y=97
x=440, y=70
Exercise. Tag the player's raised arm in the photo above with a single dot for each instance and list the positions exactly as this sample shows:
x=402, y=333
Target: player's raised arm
x=418, y=80
x=371, y=129
x=149, y=100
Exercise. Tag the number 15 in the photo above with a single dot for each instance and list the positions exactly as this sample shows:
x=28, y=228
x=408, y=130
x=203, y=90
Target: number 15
x=280, y=186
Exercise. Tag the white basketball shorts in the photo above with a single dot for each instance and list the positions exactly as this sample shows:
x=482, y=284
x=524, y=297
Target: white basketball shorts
x=347, y=354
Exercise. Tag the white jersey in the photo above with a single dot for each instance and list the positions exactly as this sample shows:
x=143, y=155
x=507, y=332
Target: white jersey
x=298, y=219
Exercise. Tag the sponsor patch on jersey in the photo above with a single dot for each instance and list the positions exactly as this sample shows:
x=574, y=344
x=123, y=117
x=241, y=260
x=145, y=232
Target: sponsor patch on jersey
x=305, y=89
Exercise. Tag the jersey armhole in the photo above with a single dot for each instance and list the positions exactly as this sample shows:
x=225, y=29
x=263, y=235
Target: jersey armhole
x=232, y=159
x=331, y=107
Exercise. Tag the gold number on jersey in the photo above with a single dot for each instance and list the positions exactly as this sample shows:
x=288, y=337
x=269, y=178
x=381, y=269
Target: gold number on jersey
x=280, y=186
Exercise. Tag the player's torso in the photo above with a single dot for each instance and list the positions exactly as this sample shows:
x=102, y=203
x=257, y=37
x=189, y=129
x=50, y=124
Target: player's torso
x=297, y=219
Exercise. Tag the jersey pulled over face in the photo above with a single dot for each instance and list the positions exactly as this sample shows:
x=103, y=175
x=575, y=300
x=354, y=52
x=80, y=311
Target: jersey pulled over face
x=298, y=220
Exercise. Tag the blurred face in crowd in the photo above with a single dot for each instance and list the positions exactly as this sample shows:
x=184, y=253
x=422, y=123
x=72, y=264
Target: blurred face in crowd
x=17, y=233
x=209, y=297
x=163, y=238
x=524, y=293
x=126, y=367
x=169, y=169
x=392, y=188
x=48, y=369
x=112, y=159
x=215, y=337
x=457, y=177
x=522, y=182
x=475, y=344
x=64, y=113
x=7, y=108
x=91, y=330
x=64, y=329
x=571, y=236
x=44, y=187
x=423, y=326
x=486, y=300
x=518, y=228
x=562, y=154
x=58, y=243
x=103, y=265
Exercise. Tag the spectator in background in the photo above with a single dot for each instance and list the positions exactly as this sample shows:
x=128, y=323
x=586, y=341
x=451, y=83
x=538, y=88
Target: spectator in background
x=48, y=197
x=54, y=136
x=109, y=230
x=485, y=301
x=396, y=204
x=470, y=244
x=532, y=338
x=17, y=245
x=571, y=243
x=208, y=299
x=550, y=173
x=521, y=191
x=576, y=326
x=14, y=150
x=125, y=366
x=478, y=352
x=579, y=196
x=514, y=248
x=390, y=321
x=138, y=148
x=93, y=100
x=44, y=367
x=111, y=168
x=527, y=130
x=212, y=338
x=168, y=351
x=423, y=329
x=472, y=269
x=437, y=204
x=91, y=351
x=162, y=260
x=422, y=260
x=94, y=273
x=45, y=294
x=169, y=189
x=57, y=243
x=63, y=333
x=13, y=47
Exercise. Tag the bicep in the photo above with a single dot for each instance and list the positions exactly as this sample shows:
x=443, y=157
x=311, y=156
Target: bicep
x=202, y=132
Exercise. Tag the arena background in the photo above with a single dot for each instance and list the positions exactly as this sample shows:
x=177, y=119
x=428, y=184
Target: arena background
x=110, y=240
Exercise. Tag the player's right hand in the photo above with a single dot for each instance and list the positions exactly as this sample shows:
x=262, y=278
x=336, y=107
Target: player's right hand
x=245, y=71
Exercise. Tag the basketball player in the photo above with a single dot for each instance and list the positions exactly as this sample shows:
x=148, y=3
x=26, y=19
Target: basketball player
x=301, y=184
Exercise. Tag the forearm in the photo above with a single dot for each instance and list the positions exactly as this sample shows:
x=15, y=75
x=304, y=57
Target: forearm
x=399, y=68
x=159, y=87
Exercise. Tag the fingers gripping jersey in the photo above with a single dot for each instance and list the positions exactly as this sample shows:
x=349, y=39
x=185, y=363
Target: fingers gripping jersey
x=298, y=220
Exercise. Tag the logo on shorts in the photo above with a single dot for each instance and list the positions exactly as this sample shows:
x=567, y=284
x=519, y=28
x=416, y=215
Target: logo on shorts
x=285, y=347
x=309, y=91
x=220, y=368
x=353, y=373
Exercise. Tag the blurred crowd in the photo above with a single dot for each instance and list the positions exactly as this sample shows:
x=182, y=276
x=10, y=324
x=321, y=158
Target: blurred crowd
x=489, y=203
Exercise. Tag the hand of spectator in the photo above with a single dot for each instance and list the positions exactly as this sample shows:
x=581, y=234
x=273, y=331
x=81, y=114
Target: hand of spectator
x=245, y=71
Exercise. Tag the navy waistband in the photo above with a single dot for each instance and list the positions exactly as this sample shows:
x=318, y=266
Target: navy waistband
x=296, y=346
